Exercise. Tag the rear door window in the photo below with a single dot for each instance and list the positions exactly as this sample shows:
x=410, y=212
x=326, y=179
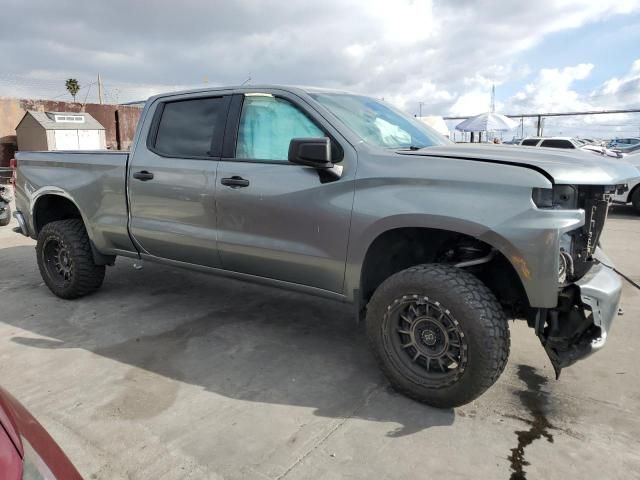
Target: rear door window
x=530, y=142
x=557, y=143
x=191, y=128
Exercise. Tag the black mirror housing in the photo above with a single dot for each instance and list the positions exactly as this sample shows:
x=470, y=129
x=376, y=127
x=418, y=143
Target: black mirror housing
x=311, y=152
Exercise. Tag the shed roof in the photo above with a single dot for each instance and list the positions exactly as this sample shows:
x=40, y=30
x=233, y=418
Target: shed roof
x=48, y=121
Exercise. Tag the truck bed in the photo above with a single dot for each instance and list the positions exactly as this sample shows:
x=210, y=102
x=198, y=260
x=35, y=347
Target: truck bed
x=94, y=180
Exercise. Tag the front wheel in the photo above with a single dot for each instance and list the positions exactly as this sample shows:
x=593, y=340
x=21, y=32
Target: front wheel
x=439, y=334
x=6, y=216
x=66, y=261
x=635, y=200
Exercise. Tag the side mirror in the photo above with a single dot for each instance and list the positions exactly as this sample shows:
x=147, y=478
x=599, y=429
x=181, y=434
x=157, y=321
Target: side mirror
x=311, y=152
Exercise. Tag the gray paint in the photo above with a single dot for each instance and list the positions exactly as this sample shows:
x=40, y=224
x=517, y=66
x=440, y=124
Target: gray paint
x=93, y=181
x=289, y=227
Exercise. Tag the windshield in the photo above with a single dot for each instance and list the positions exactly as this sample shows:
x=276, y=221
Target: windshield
x=378, y=123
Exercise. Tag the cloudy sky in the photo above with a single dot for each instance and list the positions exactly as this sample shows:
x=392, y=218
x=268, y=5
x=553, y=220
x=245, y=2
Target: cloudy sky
x=547, y=55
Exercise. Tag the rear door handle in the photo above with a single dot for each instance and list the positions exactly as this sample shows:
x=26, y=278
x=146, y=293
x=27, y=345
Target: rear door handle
x=235, y=182
x=143, y=175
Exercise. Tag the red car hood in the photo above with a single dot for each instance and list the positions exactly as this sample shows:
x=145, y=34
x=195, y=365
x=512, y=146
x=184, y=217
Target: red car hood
x=18, y=423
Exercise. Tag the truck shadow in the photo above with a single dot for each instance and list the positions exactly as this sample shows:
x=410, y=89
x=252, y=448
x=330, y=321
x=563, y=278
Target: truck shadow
x=239, y=340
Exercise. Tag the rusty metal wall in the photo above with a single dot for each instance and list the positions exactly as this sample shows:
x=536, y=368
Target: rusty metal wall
x=119, y=121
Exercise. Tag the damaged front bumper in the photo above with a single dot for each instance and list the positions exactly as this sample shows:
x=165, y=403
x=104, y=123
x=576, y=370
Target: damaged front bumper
x=586, y=309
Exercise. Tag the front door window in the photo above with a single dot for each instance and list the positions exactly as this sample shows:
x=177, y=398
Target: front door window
x=267, y=125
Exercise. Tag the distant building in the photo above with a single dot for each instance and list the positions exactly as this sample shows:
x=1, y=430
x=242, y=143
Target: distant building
x=60, y=131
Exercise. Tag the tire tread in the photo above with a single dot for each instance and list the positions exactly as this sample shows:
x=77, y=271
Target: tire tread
x=88, y=275
x=491, y=317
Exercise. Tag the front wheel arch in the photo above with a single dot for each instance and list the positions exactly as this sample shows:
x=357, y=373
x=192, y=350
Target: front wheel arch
x=397, y=249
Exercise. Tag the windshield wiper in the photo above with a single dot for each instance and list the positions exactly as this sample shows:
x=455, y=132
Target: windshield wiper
x=413, y=148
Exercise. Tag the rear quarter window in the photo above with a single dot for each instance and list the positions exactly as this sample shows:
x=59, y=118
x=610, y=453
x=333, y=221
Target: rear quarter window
x=531, y=142
x=557, y=144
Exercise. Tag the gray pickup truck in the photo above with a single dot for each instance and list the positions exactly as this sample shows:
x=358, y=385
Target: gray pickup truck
x=436, y=245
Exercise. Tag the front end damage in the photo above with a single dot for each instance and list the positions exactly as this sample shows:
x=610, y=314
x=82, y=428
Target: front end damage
x=579, y=325
x=589, y=290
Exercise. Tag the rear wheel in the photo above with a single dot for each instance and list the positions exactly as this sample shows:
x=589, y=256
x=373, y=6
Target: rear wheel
x=66, y=261
x=438, y=333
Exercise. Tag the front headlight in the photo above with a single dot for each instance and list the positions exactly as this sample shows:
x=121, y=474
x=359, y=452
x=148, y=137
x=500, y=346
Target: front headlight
x=542, y=197
x=563, y=197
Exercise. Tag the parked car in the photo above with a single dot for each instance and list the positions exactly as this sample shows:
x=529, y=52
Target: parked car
x=629, y=149
x=552, y=142
x=589, y=141
x=5, y=206
x=623, y=142
x=343, y=196
x=631, y=196
x=513, y=141
x=27, y=451
x=568, y=143
x=600, y=150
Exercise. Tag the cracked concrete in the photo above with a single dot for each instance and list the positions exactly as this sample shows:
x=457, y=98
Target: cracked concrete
x=169, y=374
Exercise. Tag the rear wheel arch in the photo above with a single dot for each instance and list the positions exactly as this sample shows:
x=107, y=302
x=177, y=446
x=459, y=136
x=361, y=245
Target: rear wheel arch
x=52, y=207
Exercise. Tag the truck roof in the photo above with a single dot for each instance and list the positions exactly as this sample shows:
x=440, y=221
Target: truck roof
x=244, y=88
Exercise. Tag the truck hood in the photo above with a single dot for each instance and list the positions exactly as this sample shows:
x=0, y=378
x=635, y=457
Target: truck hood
x=573, y=167
x=633, y=159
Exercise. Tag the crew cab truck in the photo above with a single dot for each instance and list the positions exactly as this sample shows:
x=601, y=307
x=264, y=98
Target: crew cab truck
x=340, y=195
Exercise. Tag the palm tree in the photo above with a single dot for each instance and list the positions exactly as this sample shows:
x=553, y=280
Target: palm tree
x=73, y=87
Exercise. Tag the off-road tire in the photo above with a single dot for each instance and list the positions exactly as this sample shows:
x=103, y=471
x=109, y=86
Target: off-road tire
x=85, y=276
x=474, y=310
x=635, y=200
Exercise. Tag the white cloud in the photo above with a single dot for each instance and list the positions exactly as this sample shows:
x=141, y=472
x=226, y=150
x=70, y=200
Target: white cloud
x=443, y=54
x=554, y=90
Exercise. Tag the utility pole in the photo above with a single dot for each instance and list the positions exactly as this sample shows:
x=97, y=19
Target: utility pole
x=99, y=89
x=493, y=98
x=420, y=108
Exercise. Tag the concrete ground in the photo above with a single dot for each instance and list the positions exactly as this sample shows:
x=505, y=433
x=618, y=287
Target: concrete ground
x=169, y=374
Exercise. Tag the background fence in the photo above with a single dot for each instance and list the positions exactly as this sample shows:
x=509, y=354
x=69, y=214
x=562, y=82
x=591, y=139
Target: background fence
x=119, y=121
x=601, y=125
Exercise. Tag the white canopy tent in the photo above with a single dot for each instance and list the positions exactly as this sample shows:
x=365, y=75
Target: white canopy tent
x=487, y=122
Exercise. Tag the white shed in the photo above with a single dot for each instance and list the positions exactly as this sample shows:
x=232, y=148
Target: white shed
x=60, y=131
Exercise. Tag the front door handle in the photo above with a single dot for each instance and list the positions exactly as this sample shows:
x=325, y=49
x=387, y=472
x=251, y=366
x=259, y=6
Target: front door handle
x=143, y=175
x=235, y=182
